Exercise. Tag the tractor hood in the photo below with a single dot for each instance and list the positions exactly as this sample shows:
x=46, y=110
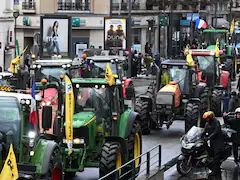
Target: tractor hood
x=50, y=96
x=83, y=119
x=211, y=47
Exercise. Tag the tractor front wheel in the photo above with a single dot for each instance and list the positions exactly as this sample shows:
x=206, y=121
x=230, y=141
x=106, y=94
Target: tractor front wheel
x=135, y=149
x=111, y=159
x=55, y=171
x=145, y=120
x=193, y=116
x=217, y=102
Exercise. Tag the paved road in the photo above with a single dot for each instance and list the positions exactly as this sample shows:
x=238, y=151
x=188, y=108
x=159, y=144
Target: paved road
x=169, y=139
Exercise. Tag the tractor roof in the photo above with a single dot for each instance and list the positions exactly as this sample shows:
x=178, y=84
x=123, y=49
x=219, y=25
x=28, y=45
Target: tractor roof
x=19, y=96
x=5, y=74
x=97, y=81
x=106, y=58
x=53, y=62
x=202, y=52
x=215, y=30
x=176, y=62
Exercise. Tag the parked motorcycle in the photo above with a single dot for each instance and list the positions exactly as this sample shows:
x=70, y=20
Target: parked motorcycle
x=195, y=150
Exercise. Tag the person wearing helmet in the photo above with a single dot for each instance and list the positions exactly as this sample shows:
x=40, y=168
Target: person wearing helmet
x=214, y=135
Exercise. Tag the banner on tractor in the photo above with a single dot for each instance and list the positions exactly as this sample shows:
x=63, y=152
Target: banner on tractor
x=115, y=33
x=10, y=170
x=217, y=55
x=232, y=27
x=69, y=112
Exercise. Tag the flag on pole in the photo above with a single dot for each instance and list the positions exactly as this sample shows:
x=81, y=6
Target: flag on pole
x=109, y=75
x=16, y=61
x=201, y=24
x=232, y=27
x=33, y=114
x=69, y=112
x=10, y=170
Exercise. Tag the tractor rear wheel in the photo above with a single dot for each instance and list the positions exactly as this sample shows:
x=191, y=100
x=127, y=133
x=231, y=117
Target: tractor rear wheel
x=141, y=108
x=228, y=66
x=135, y=148
x=217, y=102
x=204, y=102
x=55, y=171
x=193, y=115
x=111, y=159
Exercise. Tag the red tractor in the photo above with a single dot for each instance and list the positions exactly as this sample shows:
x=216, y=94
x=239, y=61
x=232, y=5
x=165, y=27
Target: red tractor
x=210, y=71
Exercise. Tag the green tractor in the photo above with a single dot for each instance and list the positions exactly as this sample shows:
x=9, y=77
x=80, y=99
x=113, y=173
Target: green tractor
x=176, y=95
x=228, y=57
x=37, y=157
x=106, y=133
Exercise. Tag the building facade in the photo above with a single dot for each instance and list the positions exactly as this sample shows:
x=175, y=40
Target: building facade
x=6, y=32
x=91, y=13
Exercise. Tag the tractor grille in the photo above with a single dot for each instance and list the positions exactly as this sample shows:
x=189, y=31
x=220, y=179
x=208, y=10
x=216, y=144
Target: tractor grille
x=81, y=133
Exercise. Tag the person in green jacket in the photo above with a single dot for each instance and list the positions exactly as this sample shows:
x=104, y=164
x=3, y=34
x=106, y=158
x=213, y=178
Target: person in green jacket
x=147, y=61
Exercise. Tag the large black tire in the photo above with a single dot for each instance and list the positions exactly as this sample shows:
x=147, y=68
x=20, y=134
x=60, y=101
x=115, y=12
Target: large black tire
x=55, y=171
x=193, y=115
x=217, y=102
x=108, y=160
x=135, y=138
x=141, y=107
x=204, y=98
x=228, y=66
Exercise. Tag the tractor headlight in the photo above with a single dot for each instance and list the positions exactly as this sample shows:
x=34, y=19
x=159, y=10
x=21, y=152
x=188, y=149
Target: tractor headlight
x=48, y=103
x=112, y=61
x=64, y=66
x=27, y=101
x=0, y=77
x=34, y=66
x=77, y=85
x=39, y=66
x=78, y=141
x=43, y=104
x=168, y=107
x=23, y=101
x=31, y=134
x=68, y=65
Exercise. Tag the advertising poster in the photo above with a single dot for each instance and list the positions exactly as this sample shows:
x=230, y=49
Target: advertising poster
x=55, y=36
x=115, y=33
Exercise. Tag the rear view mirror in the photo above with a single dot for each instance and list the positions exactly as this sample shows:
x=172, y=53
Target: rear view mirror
x=47, y=117
x=125, y=66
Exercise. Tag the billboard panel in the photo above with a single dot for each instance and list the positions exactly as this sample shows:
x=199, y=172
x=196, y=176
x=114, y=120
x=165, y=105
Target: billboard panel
x=56, y=36
x=115, y=33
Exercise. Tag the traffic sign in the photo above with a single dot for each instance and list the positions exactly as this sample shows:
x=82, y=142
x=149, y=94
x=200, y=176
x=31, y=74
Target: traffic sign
x=163, y=20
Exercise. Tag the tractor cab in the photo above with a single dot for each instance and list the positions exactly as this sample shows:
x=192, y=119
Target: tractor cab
x=50, y=69
x=179, y=72
x=211, y=35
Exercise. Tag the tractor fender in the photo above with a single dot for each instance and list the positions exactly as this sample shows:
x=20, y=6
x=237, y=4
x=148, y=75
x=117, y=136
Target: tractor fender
x=133, y=116
x=182, y=157
x=42, y=154
x=121, y=141
x=196, y=100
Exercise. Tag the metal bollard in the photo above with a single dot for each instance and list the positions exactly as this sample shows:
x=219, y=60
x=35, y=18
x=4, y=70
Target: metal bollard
x=148, y=163
x=159, y=156
x=133, y=171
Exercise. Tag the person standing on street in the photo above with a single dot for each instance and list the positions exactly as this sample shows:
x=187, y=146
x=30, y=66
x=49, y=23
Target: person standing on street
x=139, y=61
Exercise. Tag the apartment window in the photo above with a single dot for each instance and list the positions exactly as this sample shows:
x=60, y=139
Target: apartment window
x=28, y=5
x=136, y=36
x=76, y=5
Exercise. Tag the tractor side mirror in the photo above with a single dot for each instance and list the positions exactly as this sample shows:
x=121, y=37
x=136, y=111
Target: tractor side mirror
x=125, y=66
x=47, y=117
x=129, y=92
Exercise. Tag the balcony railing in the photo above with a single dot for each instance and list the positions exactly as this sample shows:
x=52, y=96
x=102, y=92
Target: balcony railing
x=29, y=5
x=78, y=6
x=124, y=6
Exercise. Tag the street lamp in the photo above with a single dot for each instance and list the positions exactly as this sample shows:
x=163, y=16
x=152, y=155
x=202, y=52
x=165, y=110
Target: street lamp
x=15, y=15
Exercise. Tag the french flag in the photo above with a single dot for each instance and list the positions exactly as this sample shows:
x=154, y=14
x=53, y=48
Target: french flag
x=33, y=114
x=201, y=24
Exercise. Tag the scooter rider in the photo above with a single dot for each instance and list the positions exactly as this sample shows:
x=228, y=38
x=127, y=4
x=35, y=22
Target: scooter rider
x=214, y=135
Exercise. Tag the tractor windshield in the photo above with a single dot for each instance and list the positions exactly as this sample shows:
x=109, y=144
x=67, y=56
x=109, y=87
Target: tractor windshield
x=99, y=68
x=10, y=119
x=211, y=37
x=50, y=73
x=205, y=62
x=91, y=99
x=178, y=74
